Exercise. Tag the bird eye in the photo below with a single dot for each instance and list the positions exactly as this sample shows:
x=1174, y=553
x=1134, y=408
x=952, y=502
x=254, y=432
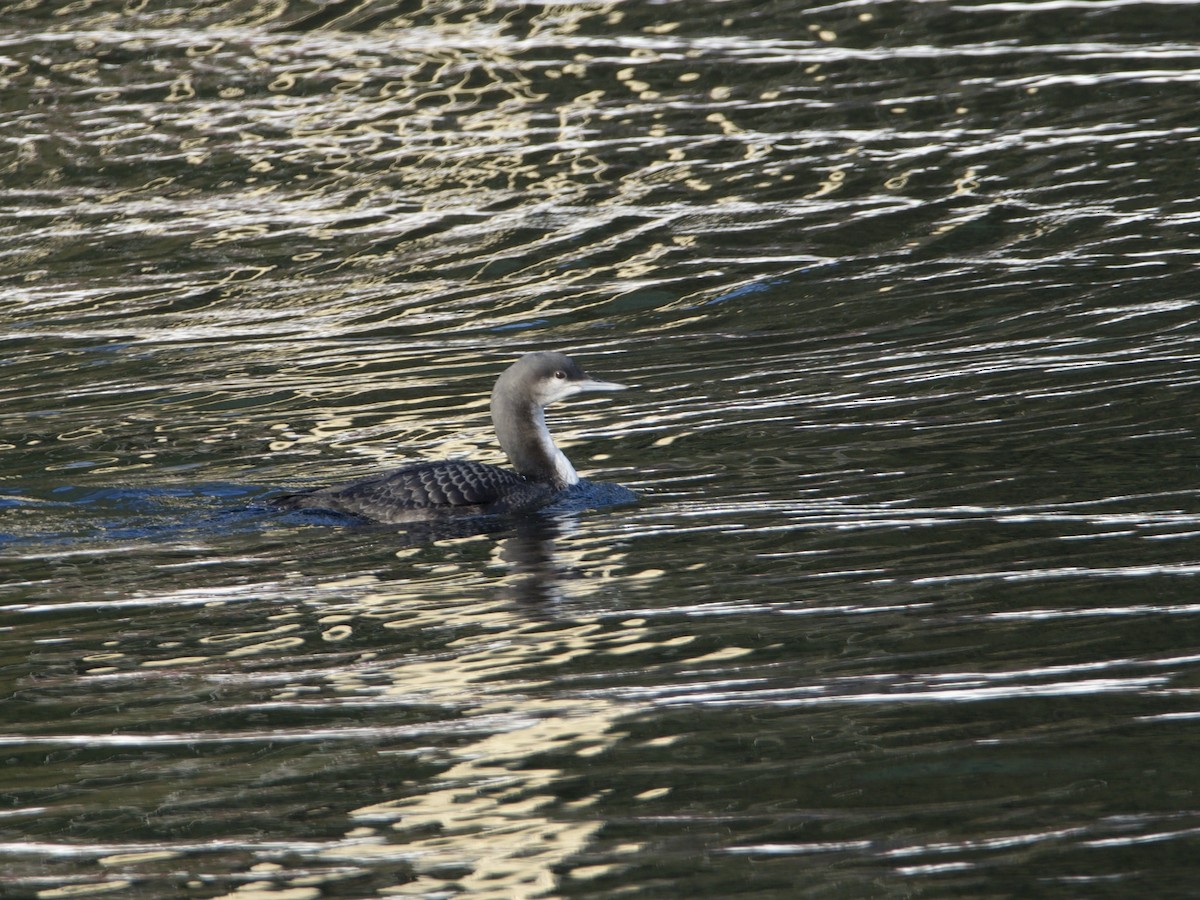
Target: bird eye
x=560, y=374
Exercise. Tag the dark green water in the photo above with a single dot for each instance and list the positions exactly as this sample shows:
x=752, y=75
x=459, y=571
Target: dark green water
x=908, y=605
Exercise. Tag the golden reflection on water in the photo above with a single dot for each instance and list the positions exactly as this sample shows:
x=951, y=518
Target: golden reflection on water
x=365, y=151
x=489, y=812
x=492, y=821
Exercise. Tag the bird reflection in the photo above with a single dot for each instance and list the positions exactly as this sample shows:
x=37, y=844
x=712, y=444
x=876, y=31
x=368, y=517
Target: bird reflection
x=535, y=572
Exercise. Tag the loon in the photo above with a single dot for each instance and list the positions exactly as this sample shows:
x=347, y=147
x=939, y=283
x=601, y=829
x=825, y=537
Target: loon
x=433, y=491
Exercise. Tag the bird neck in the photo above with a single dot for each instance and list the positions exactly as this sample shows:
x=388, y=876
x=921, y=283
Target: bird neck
x=525, y=440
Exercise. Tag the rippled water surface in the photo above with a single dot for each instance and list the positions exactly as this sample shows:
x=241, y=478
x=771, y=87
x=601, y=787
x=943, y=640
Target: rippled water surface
x=907, y=604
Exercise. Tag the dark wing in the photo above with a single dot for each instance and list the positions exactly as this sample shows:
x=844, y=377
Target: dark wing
x=422, y=491
x=449, y=483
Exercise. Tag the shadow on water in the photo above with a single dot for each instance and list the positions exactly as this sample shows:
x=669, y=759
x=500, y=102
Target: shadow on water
x=85, y=514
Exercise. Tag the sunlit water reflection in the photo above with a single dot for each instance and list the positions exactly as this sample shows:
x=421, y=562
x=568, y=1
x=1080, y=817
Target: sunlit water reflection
x=907, y=292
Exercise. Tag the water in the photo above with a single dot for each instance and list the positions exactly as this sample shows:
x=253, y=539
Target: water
x=907, y=604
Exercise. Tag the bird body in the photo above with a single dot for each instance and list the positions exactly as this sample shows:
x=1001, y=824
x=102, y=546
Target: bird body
x=433, y=491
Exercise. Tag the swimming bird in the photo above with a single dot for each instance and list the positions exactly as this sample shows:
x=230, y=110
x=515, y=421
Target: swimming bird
x=436, y=491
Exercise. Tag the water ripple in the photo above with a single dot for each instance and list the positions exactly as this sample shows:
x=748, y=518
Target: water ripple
x=907, y=291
